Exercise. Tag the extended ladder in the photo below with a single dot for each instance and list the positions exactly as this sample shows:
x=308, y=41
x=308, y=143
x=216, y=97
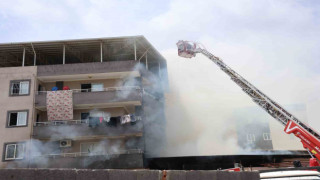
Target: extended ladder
x=269, y=105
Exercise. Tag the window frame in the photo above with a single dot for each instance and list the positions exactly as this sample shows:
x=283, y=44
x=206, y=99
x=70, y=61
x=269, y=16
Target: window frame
x=4, y=154
x=251, y=139
x=84, y=120
x=15, y=81
x=85, y=90
x=93, y=90
x=16, y=111
x=266, y=136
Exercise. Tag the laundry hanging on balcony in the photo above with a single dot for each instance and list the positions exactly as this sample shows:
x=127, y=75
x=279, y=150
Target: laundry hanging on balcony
x=114, y=121
x=59, y=105
x=129, y=118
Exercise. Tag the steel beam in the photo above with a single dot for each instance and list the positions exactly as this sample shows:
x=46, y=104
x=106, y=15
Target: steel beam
x=147, y=60
x=23, y=56
x=135, y=50
x=64, y=55
x=101, y=52
x=34, y=56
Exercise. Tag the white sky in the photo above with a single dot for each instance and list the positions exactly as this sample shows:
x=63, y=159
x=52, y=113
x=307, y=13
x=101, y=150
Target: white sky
x=273, y=44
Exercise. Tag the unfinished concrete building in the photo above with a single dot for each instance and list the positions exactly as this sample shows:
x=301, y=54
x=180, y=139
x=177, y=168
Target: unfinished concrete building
x=87, y=103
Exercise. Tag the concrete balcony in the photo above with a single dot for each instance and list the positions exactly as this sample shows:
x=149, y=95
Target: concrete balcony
x=63, y=72
x=129, y=160
x=110, y=97
x=82, y=131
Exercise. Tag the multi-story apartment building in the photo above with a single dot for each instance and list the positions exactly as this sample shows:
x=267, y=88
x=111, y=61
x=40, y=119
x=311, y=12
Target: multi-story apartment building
x=258, y=131
x=88, y=103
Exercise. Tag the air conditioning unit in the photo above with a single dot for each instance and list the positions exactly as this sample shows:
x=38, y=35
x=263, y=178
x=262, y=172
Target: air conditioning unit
x=65, y=143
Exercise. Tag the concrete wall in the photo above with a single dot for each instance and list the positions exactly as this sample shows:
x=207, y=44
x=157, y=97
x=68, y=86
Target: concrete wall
x=83, y=130
x=112, y=146
x=85, y=98
x=212, y=175
x=40, y=174
x=11, y=103
x=86, y=68
x=122, y=161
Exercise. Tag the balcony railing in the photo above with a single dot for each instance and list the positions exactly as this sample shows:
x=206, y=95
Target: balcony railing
x=120, y=88
x=70, y=122
x=81, y=154
x=78, y=130
x=105, y=95
x=86, y=68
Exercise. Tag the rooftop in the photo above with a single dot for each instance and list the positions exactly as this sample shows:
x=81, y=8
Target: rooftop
x=78, y=51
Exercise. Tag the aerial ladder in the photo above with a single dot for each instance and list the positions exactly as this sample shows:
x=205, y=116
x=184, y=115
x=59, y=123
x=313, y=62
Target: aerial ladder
x=310, y=139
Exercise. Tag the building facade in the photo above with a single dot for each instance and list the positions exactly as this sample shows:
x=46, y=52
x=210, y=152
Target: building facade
x=88, y=103
x=258, y=131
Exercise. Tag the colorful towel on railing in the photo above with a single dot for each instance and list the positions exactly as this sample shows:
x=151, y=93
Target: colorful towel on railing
x=59, y=105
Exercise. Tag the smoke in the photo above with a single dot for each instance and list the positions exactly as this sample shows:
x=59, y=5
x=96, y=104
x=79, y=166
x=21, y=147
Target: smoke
x=202, y=109
x=129, y=83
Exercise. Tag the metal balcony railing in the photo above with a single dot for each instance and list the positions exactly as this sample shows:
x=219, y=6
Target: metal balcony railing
x=85, y=154
x=70, y=122
x=120, y=88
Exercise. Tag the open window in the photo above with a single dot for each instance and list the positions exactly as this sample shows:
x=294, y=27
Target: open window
x=17, y=118
x=85, y=117
x=20, y=88
x=93, y=87
x=85, y=87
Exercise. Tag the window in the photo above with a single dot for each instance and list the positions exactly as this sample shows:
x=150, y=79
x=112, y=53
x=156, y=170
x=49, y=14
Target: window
x=19, y=88
x=84, y=117
x=266, y=137
x=17, y=118
x=97, y=87
x=94, y=87
x=251, y=138
x=85, y=87
x=14, y=151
